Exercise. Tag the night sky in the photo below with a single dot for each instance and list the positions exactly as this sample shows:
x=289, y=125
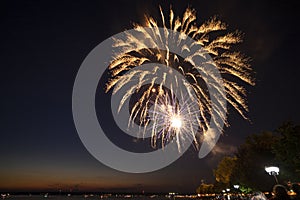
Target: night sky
x=43, y=44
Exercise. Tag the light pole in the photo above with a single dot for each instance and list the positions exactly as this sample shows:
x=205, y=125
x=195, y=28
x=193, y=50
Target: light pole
x=236, y=187
x=273, y=171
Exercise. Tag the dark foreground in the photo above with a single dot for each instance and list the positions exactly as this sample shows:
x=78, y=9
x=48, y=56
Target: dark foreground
x=114, y=197
x=93, y=197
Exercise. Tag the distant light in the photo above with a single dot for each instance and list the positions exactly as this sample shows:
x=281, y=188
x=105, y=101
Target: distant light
x=227, y=189
x=223, y=191
x=272, y=170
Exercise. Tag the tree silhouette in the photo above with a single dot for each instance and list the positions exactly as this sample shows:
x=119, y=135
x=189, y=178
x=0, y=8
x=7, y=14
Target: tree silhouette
x=287, y=151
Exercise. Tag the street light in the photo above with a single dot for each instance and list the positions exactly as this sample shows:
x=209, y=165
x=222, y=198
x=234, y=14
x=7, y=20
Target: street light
x=273, y=171
x=236, y=187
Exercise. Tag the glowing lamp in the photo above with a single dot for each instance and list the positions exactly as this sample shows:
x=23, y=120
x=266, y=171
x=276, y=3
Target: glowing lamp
x=236, y=186
x=272, y=170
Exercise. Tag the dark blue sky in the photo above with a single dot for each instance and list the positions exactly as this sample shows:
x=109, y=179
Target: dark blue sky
x=42, y=46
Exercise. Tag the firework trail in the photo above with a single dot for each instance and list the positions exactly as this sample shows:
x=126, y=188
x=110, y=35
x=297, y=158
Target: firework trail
x=156, y=108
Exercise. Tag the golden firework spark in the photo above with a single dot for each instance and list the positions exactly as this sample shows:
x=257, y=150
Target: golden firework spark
x=157, y=109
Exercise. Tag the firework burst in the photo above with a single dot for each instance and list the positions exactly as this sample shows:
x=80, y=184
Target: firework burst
x=169, y=117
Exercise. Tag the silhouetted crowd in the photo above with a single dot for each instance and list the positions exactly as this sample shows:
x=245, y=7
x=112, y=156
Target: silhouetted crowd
x=279, y=192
